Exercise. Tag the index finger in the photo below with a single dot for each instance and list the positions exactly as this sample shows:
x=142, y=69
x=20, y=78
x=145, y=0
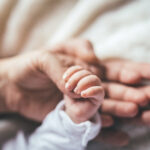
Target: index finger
x=80, y=48
x=126, y=71
x=125, y=93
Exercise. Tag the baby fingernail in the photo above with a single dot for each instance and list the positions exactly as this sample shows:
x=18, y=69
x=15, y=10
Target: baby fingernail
x=83, y=94
x=68, y=86
x=76, y=91
x=64, y=76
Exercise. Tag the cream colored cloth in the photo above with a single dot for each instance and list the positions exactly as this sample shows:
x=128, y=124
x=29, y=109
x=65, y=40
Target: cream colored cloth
x=117, y=28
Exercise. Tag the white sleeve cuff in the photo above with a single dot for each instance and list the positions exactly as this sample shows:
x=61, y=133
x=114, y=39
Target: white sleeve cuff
x=57, y=132
x=84, y=131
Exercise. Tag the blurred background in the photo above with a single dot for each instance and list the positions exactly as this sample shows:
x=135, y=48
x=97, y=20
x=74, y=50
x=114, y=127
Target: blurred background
x=117, y=29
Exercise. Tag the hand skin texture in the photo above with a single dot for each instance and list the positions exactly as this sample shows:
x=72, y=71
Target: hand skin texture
x=31, y=80
x=125, y=85
x=34, y=82
x=87, y=87
x=30, y=83
x=120, y=80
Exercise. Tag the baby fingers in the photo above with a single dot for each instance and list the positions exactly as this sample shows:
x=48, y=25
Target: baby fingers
x=73, y=75
x=86, y=82
x=96, y=93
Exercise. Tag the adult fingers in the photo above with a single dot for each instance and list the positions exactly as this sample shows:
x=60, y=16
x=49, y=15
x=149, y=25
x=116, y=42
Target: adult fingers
x=126, y=71
x=80, y=48
x=143, y=68
x=146, y=117
x=146, y=90
x=122, y=92
x=119, y=108
x=123, y=71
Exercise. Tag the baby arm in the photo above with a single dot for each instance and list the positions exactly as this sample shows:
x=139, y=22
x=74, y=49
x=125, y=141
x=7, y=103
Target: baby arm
x=68, y=127
x=88, y=90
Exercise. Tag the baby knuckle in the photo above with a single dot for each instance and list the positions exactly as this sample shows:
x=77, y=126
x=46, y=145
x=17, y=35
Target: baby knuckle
x=75, y=67
x=86, y=72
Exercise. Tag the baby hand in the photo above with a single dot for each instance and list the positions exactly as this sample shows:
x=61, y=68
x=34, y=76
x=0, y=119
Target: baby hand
x=88, y=87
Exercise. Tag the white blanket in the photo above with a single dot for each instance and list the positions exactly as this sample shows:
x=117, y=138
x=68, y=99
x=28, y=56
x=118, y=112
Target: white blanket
x=117, y=28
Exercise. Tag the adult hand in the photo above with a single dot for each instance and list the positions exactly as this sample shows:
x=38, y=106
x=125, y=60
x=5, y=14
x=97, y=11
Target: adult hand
x=122, y=100
x=34, y=80
x=112, y=107
x=126, y=95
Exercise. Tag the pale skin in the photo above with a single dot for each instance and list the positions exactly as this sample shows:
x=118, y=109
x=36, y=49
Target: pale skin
x=120, y=74
x=82, y=49
x=112, y=107
x=35, y=103
x=130, y=75
x=87, y=87
x=35, y=83
x=29, y=97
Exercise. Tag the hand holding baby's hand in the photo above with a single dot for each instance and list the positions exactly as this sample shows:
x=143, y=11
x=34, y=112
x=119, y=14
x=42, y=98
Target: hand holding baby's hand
x=89, y=90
